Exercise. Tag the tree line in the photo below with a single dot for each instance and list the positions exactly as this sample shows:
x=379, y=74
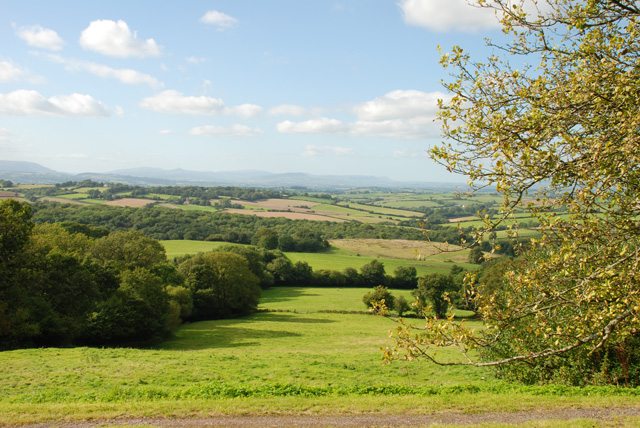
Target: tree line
x=165, y=223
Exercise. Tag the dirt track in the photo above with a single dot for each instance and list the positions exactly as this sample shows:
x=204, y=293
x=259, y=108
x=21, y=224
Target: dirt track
x=358, y=420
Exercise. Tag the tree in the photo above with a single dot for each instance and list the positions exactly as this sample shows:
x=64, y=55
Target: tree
x=380, y=295
x=265, y=238
x=129, y=250
x=373, y=274
x=136, y=314
x=432, y=294
x=405, y=277
x=400, y=305
x=476, y=255
x=559, y=135
x=17, y=315
x=281, y=269
x=222, y=284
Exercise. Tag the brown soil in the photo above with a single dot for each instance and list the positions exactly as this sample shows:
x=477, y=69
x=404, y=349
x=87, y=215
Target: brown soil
x=360, y=420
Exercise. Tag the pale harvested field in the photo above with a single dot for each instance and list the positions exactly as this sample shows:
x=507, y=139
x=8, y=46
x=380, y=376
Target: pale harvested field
x=394, y=248
x=290, y=215
x=129, y=202
x=468, y=218
x=277, y=204
x=7, y=194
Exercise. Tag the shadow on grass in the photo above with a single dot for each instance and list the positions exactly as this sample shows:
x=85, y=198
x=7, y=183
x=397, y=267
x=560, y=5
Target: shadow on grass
x=280, y=317
x=284, y=294
x=236, y=333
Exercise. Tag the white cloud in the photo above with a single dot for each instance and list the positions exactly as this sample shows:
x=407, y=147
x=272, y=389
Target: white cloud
x=446, y=15
x=400, y=104
x=116, y=39
x=246, y=110
x=288, y=110
x=195, y=60
x=174, y=102
x=40, y=37
x=406, y=114
x=406, y=153
x=119, y=111
x=166, y=132
x=31, y=103
x=312, y=150
x=220, y=131
x=9, y=72
x=410, y=129
x=124, y=75
x=314, y=126
x=219, y=19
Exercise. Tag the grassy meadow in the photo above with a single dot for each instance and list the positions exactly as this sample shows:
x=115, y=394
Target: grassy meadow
x=292, y=359
x=306, y=351
x=360, y=252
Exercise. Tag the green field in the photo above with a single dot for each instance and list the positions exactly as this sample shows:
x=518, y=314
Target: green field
x=74, y=196
x=294, y=361
x=310, y=299
x=336, y=258
x=179, y=248
x=384, y=211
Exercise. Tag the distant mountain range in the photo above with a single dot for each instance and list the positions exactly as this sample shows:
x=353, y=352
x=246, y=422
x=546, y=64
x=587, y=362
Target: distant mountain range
x=33, y=173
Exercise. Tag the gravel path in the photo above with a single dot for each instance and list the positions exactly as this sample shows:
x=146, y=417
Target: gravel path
x=354, y=421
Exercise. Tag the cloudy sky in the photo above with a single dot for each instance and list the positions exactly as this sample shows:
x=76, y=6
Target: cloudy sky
x=324, y=87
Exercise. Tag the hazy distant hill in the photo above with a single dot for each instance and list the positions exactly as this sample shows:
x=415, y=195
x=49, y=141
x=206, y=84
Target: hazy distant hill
x=29, y=172
x=20, y=166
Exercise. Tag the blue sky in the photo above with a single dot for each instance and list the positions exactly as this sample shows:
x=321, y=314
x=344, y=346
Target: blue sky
x=324, y=87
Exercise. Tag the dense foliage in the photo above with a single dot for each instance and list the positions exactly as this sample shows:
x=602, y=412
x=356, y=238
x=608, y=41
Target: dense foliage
x=563, y=132
x=111, y=191
x=165, y=223
x=60, y=287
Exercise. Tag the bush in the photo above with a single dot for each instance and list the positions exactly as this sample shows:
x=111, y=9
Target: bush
x=379, y=295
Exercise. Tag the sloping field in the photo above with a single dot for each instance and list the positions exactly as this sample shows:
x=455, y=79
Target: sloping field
x=395, y=248
x=63, y=200
x=382, y=211
x=129, y=202
x=284, y=214
x=279, y=204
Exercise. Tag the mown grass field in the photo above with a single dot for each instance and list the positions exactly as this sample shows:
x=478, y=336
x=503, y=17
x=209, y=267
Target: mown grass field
x=289, y=362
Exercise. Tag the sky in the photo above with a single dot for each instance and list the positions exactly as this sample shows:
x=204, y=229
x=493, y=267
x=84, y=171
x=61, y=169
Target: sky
x=347, y=87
